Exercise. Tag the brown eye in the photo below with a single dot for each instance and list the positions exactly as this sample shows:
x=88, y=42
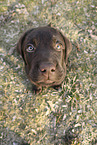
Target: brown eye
x=30, y=48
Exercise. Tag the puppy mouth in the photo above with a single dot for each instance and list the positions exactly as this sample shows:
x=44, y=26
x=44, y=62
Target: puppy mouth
x=49, y=81
x=46, y=82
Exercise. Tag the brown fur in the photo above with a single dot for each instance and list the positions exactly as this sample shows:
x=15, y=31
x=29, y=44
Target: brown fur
x=45, y=52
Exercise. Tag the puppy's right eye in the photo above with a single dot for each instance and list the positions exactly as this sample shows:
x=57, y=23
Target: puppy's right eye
x=30, y=48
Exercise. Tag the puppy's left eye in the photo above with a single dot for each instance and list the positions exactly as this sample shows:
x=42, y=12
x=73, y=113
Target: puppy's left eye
x=30, y=48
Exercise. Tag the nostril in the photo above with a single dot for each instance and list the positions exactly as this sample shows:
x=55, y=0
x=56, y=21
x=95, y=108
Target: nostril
x=53, y=70
x=43, y=70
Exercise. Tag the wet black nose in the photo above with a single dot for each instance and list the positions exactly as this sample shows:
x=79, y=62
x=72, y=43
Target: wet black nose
x=47, y=68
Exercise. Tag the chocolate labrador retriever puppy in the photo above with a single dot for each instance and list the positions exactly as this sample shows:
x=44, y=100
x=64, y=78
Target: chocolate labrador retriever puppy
x=45, y=52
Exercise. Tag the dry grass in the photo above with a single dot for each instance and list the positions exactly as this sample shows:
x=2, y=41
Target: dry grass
x=67, y=116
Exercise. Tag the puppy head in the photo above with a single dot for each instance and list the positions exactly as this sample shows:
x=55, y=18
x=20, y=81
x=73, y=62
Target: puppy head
x=45, y=52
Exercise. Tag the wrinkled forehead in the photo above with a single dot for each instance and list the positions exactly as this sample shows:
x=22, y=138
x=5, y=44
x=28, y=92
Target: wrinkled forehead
x=45, y=35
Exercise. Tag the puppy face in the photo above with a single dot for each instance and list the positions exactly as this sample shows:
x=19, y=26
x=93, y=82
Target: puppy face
x=45, y=51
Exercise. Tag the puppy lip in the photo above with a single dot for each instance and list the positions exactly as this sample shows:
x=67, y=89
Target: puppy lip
x=46, y=82
x=49, y=81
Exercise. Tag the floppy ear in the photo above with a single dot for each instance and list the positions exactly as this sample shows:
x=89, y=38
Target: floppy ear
x=68, y=48
x=19, y=46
